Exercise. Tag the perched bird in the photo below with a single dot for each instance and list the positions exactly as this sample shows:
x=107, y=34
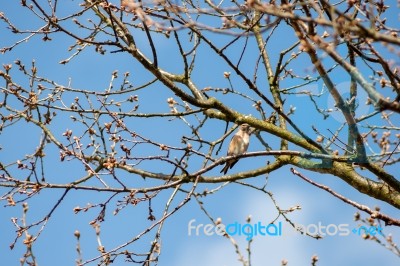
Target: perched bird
x=237, y=146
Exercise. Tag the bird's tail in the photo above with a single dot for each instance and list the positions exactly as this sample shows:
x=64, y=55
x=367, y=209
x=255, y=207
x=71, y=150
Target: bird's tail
x=225, y=169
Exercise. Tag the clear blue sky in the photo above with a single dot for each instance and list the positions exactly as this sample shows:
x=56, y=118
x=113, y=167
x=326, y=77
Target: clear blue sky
x=233, y=203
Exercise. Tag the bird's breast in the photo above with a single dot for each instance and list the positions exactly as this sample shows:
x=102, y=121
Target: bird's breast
x=246, y=140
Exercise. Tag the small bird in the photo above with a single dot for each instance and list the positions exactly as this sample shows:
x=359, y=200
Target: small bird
x=238, y=145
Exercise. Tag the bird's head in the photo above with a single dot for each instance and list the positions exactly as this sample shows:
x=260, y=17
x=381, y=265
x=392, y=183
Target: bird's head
x=245, y=127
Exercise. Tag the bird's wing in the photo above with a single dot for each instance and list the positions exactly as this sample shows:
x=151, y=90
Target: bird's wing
x=235, y=145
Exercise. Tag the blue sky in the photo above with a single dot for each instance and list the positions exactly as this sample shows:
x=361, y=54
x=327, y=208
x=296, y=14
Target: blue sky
x=233, y=203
